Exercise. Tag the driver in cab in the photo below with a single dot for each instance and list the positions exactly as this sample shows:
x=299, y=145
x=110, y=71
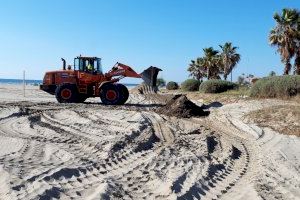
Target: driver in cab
x=90, y=67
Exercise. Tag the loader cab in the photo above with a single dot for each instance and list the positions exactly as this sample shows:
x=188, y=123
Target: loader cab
x=88, y=64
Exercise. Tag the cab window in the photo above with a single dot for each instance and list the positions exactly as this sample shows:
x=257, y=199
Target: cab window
x=76, y=64
x=98, y=65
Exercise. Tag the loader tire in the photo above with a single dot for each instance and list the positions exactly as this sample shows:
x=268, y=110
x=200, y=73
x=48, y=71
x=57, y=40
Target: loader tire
x=124, y=94
x=110, y=94
x=66, y=93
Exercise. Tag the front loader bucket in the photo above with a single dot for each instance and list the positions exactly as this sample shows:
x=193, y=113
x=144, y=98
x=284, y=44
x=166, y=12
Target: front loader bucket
x=150, y=77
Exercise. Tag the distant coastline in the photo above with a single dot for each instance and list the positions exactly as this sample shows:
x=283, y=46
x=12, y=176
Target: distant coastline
x=38, y=82
x=19, y=81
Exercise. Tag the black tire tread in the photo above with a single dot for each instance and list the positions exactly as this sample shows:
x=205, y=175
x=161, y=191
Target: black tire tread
x=124, y=94
x=74, y=96
x=104, y=89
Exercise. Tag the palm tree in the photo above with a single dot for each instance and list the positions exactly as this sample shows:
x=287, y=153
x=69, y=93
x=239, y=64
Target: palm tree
x=197, y=69
x=297, y=54
x=229, y=58
x=211, y=61
x=297, y=62
x=283, y=36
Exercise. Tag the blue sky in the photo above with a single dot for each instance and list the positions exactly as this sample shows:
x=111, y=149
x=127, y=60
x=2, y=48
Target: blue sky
x=34, y=35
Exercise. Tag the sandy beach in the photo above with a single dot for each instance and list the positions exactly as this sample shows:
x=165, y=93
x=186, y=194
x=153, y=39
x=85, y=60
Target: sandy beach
x=91, y=151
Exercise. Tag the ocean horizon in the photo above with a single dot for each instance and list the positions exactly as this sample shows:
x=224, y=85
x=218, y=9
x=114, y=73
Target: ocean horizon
x=38, y=82
x=20, y=81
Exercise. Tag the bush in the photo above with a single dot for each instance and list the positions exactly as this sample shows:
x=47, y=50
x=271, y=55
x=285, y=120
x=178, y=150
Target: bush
x=276, y=86
x=216, y=86
x=172, y=85
x=190, y=85
x=160, y=82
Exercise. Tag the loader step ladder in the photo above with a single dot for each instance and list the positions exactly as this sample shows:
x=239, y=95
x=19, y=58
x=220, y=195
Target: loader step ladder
x=82, y=89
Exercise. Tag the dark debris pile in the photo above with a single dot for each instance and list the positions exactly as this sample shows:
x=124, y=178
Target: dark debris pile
x=181, y=106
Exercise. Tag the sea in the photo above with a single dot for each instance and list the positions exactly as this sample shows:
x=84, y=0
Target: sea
x=38, y=82
x=20, y=81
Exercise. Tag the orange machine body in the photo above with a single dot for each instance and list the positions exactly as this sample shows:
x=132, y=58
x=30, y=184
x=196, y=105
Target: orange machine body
x=88, y=83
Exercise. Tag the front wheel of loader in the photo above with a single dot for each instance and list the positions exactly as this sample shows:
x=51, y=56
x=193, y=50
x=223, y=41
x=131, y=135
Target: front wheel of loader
x=124, y=94
x=110, y=94
x=66, y=93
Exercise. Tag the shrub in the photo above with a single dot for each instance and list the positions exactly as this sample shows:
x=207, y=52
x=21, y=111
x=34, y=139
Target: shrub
x=276, y=86
x=190, y=85
x=160, y=82
x=172, y=85
x=272, y=73
x=216, y=86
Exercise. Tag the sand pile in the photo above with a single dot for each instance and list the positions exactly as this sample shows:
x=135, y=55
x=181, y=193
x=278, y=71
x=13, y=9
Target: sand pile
x=181, y=106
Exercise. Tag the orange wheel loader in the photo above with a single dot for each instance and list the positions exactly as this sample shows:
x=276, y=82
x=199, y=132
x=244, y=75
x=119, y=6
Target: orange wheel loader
x=86, y=80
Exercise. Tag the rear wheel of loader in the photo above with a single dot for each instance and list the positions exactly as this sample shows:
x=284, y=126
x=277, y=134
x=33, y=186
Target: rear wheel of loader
x=66, y=93
x=124, y=94
x=110, y=94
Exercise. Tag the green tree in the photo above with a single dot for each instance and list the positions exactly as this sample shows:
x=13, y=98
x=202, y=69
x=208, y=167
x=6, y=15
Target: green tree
x=250, y=76
x=297, y=39
x=197, y=69
x=160, y=82
x=272, y=73
x=297, y=62
x=211, y=62
x=229, y=58
x=285, y=36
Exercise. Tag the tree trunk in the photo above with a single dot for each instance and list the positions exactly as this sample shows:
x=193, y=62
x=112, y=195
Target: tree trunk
x=297, y=63
x=225, y=72
x=287, y=68
x=208, y=75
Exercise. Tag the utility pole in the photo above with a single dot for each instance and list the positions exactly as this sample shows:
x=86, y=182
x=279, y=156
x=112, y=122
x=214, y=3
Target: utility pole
x=24, y=83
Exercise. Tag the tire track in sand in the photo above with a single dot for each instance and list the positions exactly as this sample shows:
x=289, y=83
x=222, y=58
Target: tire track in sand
x=79, y=153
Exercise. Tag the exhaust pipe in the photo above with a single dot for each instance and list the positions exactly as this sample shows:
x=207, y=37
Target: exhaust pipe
x=64, y=63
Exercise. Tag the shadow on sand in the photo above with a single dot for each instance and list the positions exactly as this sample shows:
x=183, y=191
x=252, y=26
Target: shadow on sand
x=214, y=104
x=154, y=105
